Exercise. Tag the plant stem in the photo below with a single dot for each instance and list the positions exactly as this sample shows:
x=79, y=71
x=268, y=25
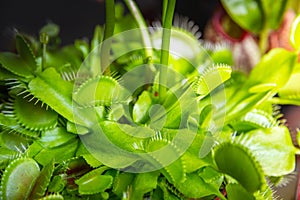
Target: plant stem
x=136, y=13
x=108, y=32
x=44, y=39
x=263, y=40
x=164, y=10
x=167, y=25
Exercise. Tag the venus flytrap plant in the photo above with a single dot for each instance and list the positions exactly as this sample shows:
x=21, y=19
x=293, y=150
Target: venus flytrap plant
x=168, y=12
x=71, y=132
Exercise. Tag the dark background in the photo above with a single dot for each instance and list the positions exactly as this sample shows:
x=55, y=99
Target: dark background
x=77, y=18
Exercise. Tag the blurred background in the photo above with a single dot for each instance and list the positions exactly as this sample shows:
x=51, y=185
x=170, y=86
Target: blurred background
x=77, y=19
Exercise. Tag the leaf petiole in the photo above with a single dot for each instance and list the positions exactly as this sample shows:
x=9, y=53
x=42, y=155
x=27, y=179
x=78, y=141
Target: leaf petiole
x=44, y=38
x=167, y=25
x=136, y=13
x=108, y=32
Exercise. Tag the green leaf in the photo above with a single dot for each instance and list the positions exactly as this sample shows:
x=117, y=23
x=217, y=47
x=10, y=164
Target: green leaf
x=25, y=169
x=212, y=78
x=57, y=184
x=120, y=143
x=236, y=191
x=94, y=57
x=58, y=154
x=88, y=157
x=273, y=12
x=275, y=67
x=42, y=182
x=15, y=65
x=223, y=55
x=264, y=87
x=7, y=155
x=55, y=137
x=50, y=88
x=212, y=178
x=173, y=170
x=207, y=145
x=76, y=129
x=276, y=152
x=13, y=141
x=141, y=107
x=121, y=183
x=295, y=32
x=193, y=187
x=253, y=120
x=26, y=52
x=246, y=13
x=66, y=56
x=206, y=116
x=291, y=90
x=6, y=74
x=51, y=29
x=249, y=174
x=33, y=116
x=53, y=197
x=83, y=47
x=94, y=182
x=168, y=191
x=12, y=124
x=144, y=183
x=98, y=91
x=283, y=101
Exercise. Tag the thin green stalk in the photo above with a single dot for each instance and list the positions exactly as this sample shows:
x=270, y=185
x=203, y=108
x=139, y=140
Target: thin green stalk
x=164, y=10
x=263, y=40
x=136, y=13
x=108, y=32
x=167, y=25
x=44, y=39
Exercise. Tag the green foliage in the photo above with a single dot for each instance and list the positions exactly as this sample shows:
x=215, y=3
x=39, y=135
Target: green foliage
x=228, y=158
x=247, y=13
x=68, y=131
x=255, y=15
x=94, y=182
x=11, y=186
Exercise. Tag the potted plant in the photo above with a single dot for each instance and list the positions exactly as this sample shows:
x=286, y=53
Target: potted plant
x=144, y=113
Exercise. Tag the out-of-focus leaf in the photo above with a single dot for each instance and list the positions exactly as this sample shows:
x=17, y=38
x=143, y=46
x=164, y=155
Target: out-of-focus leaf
x=292, y=87
x=276, y=152
x=273, y=12
x=295, y=32
x=275, y=67
x=246, y=13
x=51, y=29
